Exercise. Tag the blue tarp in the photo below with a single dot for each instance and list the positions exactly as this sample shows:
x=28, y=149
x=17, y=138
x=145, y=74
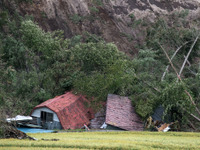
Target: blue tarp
x=34, y=130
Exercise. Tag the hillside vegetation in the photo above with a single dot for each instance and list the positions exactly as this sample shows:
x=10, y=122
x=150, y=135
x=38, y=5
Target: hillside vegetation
x=36, y=65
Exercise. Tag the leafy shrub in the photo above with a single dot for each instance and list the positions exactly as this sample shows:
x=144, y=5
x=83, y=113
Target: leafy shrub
x=3, y=18
x=95, y=56
x=175, y=97
x=116, y=79
x=14, y=53
x=31, y=55
x=103, y=70
x=40, y=42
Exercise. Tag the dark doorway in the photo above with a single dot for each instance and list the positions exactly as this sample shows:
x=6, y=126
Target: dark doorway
x=46, y=117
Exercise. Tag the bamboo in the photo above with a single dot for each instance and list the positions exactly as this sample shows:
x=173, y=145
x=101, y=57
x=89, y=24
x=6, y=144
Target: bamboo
x=186, y=58
x=181, y=80
x=163, y=76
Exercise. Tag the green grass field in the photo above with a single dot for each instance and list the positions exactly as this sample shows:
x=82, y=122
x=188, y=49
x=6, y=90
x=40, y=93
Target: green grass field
x=106, y=140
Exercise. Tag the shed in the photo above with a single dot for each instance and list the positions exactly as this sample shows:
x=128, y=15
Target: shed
x=67, y=111
x=121, y=114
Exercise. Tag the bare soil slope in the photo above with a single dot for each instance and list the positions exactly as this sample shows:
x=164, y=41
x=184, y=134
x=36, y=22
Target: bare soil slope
x=109, y=19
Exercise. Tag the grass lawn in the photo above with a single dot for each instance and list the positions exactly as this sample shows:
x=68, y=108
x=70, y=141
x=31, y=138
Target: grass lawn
x=106, y=140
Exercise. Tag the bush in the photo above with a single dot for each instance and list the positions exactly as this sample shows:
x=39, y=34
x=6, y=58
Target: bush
x=95, y=56
x=103, y=70
x=2, y=125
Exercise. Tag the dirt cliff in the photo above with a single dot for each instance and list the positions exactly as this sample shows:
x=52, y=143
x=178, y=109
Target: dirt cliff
x=110, y=19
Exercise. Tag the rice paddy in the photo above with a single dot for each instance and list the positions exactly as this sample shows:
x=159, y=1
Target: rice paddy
x=105, y=140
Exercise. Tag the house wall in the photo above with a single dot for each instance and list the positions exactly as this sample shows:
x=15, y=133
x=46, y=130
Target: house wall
x=52, y=125
x=48, y=125
x=37, y=113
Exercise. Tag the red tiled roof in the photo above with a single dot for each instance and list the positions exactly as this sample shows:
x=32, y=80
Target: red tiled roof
x=120, y=113
x=70, y=109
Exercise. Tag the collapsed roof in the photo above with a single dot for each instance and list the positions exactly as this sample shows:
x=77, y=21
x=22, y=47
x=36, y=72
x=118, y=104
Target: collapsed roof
x=120, y=113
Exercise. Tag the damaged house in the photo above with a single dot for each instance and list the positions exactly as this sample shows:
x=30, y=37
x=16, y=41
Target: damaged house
x=121, y=114
x=67, y=111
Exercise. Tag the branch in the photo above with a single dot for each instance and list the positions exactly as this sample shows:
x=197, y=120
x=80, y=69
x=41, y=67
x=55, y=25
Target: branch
x=191, y=114
x=195, y=117
x=192, y=125
x=192, y=72
x=187, y=61
x=156, y=89
x=151, y=86
x=170, y=62
x=192, y=101
x=186, y=58
x=163, y=76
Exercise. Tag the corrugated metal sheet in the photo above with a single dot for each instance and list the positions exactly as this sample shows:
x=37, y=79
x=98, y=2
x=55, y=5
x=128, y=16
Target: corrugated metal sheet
x=70, y=109
x=120, y=113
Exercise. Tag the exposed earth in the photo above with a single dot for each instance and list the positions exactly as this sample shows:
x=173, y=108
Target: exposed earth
x=110, y=19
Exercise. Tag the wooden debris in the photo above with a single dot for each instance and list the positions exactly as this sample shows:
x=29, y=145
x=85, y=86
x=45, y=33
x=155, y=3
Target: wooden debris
x=98, y=120
x=86, y=127
x=163, y=127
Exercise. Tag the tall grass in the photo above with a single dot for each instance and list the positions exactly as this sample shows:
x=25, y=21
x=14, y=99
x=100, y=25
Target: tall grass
x=108, y=140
